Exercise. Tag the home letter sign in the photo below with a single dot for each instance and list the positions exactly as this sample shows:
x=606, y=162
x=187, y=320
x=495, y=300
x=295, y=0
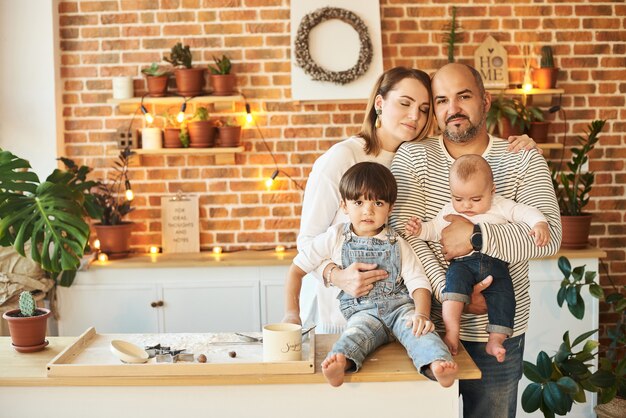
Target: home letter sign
x=490, y=59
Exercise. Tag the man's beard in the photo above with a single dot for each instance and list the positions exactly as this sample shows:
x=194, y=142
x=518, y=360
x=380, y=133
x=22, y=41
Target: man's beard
x=466, y=135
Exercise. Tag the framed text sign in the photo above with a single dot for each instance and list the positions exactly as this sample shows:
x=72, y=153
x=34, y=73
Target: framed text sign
x=180, y=224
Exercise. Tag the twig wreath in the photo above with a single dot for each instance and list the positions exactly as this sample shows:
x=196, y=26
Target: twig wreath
x=303, y=55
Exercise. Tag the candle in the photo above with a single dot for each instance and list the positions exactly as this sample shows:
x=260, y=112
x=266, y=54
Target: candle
x=122, y=87
x=151, y=138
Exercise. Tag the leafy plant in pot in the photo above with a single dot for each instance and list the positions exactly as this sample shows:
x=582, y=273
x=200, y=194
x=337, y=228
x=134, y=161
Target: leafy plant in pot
x=538, y=126
x=562, y=379
x=175, y=134
x=189, y=80
x=229, y=133
x=115, y=199
x=222, y=80
x=201, y=130
x=504, y=114
x=156, y=79
x=572, y=187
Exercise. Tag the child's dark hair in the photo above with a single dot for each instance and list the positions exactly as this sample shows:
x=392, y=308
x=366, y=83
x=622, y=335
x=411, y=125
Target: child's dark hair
x=371, y=180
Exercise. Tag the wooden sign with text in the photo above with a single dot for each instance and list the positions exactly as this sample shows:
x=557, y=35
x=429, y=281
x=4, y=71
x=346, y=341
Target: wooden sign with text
x=491, y=61
x=180, y=224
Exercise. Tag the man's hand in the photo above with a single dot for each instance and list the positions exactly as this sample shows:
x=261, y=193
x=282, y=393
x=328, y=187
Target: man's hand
x=358, y=278
x=455, y=237
x=478, y=304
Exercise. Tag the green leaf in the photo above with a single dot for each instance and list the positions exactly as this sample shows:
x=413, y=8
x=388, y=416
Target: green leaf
x=560, y=296
x=583, y=337
x=531, y=398
x=544, y=365
x=532, y=373
x=555, y=399
x=568, y=385
x=602, y=379
x=596, y=291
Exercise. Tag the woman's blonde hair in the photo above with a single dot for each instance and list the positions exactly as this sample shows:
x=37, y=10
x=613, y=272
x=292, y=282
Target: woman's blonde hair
x=385, y=83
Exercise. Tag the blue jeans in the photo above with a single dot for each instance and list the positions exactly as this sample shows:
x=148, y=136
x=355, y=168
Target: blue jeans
x=380, y=316
x=495, y=394
x=465, y=272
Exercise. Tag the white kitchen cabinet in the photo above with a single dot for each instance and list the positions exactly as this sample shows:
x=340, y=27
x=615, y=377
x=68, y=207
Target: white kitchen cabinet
x=205, y=297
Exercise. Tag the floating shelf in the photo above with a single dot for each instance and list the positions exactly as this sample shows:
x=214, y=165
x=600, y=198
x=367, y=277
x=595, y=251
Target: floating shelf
x=541, y=97
x=223, y=155
x=550, y=146
x=131, y=105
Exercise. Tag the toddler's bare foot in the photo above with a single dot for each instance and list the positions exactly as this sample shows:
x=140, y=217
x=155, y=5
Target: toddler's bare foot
x=444, y=371
x=496, y=349
x=334, y=369
x=451, y=339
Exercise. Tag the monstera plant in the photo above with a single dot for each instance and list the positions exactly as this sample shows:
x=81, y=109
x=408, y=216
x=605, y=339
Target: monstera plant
x=49, y=214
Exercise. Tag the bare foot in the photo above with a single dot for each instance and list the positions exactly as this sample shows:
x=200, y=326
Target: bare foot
x=451, y=339
x=444, y=372
x=334, y=369
x=497, y=350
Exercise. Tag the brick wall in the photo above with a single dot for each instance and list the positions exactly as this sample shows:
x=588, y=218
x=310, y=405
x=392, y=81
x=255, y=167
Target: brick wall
x=101, y=39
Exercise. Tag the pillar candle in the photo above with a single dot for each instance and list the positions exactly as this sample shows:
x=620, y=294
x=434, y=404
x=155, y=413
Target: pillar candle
x=151, y=138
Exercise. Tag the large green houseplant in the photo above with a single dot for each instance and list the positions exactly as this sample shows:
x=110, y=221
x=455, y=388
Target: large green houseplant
x=572, y=185
x=561, y=380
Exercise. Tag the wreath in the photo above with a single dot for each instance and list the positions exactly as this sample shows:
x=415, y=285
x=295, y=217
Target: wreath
x=303, y=55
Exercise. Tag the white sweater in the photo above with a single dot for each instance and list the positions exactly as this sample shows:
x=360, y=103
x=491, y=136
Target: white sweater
x=421, y=170
x=320, y=209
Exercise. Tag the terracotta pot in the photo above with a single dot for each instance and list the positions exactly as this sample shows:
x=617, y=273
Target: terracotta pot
x=613, y=409
x=223, y=84
x=171, y=139
x=157, y=86
x=539, y=131
x=201, y=134
x=28, y=333
x=545, y=78
x=229, y=136
x=508, y=129
x=115, y=239
x=575, y=231
x=190, y=81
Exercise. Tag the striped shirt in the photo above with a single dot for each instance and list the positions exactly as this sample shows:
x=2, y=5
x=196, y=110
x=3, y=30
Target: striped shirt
x=421, y=170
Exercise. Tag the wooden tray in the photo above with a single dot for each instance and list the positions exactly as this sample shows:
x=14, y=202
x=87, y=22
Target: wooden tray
x=90, y=355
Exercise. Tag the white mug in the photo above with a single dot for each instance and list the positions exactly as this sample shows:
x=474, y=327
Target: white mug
x=282, y=342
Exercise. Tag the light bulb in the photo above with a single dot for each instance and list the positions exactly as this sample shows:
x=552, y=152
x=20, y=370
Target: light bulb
x=270, y=181
x=249, y=117
x=280, y=248
x=181, y=117
x=96, y=244
x=217, y=250
x=129, y=194
x=154, y=249
x=102, y=257
x=527, y=87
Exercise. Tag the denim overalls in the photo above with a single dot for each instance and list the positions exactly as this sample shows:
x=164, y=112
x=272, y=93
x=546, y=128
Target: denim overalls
x=380, y=316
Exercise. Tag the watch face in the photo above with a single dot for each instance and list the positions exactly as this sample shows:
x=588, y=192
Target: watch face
x=477, y=241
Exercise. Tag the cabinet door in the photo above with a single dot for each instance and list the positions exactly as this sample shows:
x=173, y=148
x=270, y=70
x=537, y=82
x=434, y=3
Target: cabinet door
x=211, y=306
x=110, y=308
x=272, y=293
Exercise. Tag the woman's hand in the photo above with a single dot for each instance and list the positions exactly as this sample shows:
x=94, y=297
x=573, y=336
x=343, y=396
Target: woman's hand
x=522, y=142
x=421, y=324
x=357, y=279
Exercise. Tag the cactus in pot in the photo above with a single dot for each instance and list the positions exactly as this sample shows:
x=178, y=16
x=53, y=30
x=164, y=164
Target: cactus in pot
x=27, y=304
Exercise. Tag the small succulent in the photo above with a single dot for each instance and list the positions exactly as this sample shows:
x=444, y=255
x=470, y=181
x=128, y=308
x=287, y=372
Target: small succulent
x=180, y=56
x=222, y=66
x=202, y=113
x=547, y=60
x=156, y=71
x=27, y=304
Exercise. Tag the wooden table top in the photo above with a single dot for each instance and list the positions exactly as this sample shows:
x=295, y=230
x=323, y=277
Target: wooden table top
x=389, y=363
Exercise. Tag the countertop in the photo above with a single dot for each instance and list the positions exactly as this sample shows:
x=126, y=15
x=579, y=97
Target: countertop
x=389, y=363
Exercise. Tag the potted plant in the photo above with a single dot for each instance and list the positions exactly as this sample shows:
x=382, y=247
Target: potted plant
x=572, y=187
x=504, y=114
x=561, y=380
x=157, y=79
x=222, y=81
x=201, y=129
x=174, y=136
x=546, y=76
x=27, y=325
x=115, y=198
x=228, y=133
x=538, y=126
x=189, y=80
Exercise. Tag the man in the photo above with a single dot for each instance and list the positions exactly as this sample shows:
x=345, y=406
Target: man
x=421, y=169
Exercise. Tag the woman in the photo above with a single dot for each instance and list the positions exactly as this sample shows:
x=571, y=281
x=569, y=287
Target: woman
x=399, y=109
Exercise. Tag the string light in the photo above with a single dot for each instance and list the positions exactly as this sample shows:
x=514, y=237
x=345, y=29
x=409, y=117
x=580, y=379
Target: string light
x=102, y=257
x=147, y=115
x=154, y=249
x=217, y=250
x=249, y=118
x=129, y=192
x=270, y=181
x=181, y=115
x=280, y=249
x=96, y=244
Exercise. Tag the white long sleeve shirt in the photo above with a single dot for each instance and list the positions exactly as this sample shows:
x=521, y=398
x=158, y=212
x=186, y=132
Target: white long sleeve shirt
x=320, y=209
x=422, y=169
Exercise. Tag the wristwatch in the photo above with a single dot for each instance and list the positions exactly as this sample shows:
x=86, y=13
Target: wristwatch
x=476, y=239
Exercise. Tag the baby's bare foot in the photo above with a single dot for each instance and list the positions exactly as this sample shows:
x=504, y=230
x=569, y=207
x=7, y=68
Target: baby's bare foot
x=334, y=369
x=444, y=371
x=497, y=350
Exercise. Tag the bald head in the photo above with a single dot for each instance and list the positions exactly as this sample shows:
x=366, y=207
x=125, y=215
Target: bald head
x=456, y=71
x=471, y=166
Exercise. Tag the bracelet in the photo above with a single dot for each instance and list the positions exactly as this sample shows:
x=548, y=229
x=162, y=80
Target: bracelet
x=327, y=281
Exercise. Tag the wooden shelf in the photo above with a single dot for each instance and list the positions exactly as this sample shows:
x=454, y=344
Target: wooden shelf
x=223, y=155
x=131, y=105
x=550, y=146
